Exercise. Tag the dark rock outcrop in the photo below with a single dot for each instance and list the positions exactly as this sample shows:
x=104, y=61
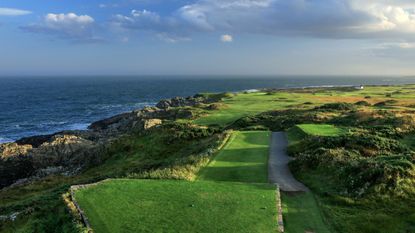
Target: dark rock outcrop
x=35, y=141
x=13, y=149
x=62, y=154
x=180, y=102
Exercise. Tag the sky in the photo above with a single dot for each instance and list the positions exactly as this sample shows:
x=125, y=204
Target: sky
x=207, y=37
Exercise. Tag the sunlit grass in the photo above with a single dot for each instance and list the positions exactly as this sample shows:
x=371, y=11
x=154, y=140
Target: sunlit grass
x=244, y=159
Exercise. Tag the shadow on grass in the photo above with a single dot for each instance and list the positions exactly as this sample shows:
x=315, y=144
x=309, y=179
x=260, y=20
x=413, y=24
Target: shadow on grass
x=249, y=173
x=255, y=138
x=244, y=155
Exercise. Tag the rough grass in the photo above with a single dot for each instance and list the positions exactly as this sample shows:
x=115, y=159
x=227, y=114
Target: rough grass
x=179, y=206
x=321, y=130
x=409, y=140
x=385, y=214
x=244, y=159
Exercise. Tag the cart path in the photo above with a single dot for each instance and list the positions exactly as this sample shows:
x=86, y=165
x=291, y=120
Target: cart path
x=278, y=170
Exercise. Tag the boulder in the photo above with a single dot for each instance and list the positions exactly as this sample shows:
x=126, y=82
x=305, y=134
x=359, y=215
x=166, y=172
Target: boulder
x=180, y=102
x=150, y=123
x=35, y=141
x=64, y=150
x=13, y=149
x=106, y=123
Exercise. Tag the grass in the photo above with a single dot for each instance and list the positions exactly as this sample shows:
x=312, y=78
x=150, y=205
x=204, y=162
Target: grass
x=249, y=104
x=409, y=140
x=295, y=135
x=179, y=206
x=302, y=214
x=206, y=205
x=244, y=159
x=301, y=211
x=322, y=130
x=164, y=158
x=153, y=152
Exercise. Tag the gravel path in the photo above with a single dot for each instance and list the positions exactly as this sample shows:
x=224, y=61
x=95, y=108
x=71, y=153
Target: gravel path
x=278, y=171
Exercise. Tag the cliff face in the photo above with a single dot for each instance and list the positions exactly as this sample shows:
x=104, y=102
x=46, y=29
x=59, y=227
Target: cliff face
x=69, y=152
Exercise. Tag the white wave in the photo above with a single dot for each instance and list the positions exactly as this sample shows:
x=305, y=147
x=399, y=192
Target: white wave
x=5, y=140
x=78, y=126
x=51, y=123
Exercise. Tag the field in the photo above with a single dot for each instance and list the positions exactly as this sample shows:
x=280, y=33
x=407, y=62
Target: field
x=179, y=206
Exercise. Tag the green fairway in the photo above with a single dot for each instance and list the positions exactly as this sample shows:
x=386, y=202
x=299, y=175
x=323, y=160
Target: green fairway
x=249, y=104
x=244, y=159
x=179, y=206
x=322, y=130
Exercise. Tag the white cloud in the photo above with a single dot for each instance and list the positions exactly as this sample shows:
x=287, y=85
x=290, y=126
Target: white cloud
x=226, y=38
x=388, y=16
x=13, y=12
x=70, y=19
x=79, y=28
x=338, y=19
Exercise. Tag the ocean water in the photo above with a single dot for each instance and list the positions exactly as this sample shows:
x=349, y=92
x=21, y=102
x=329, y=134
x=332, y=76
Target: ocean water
x=43, y=105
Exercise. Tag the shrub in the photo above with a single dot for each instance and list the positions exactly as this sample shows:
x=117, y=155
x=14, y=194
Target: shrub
x=386, y=103
x=359, y=163
x=362, y=103
x=187, y=131
x=337, y=106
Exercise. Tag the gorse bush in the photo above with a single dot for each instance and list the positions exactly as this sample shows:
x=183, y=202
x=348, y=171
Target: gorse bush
x=362, y=103
x=361, y=163
x=383, y=173
x=337, y=106
x=187, y=131
x=277, y=120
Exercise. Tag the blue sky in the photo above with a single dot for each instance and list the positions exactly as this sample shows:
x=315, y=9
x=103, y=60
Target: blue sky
x=265, y=37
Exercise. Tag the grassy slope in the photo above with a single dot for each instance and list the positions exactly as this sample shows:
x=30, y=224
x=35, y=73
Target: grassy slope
x=301, y=214
x=179, y=206
x=385, y=215
x=131, y=154
x=343, y=214
x=244, y=159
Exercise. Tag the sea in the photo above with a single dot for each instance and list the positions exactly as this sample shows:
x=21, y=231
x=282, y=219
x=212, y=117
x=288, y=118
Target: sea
x=43, y=105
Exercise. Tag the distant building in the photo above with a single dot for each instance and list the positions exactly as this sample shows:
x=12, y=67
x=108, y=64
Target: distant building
x=361, y=87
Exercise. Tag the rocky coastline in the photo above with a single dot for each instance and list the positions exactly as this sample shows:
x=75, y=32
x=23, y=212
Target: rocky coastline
x=72, y=151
